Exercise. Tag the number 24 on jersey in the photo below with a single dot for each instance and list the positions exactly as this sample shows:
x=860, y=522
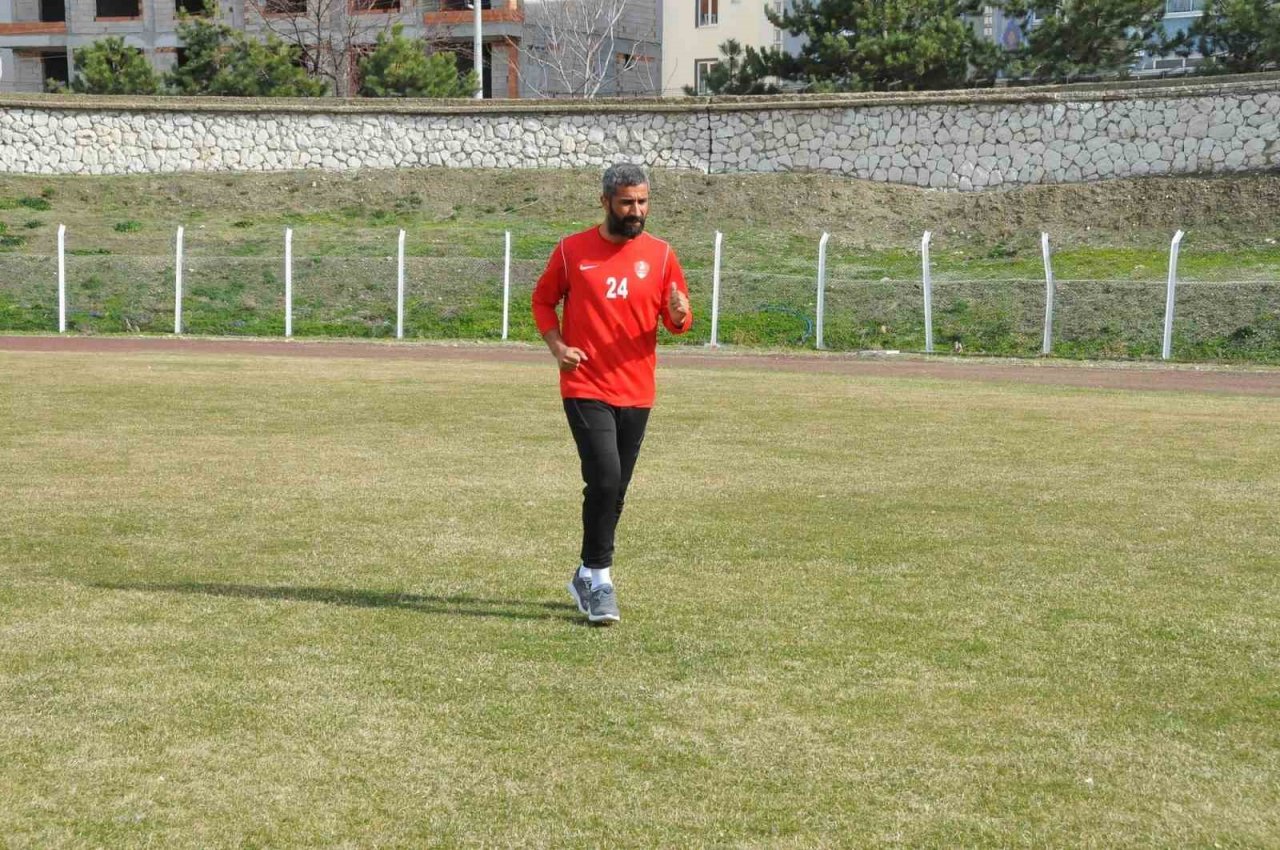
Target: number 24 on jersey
x=616, y=288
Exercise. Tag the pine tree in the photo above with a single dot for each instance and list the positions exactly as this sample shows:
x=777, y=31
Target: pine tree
x=738, y=71
x=109, y=66
x=203, y=40
x=267, y=68
x=855, y=45
x=226, y=62
x=401, y=67
x=1237, y=36
x=1077, y=38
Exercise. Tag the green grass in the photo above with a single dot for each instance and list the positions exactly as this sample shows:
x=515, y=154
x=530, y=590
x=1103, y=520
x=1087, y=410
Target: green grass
x=1110, y=258
x=317, y=602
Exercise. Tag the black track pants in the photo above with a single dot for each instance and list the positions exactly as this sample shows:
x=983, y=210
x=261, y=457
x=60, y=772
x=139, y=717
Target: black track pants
x=608, y=441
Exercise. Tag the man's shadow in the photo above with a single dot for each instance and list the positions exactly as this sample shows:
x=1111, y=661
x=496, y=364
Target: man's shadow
x=462, y=605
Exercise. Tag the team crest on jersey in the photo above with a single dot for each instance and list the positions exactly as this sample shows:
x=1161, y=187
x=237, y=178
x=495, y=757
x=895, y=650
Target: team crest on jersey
x=642, y=269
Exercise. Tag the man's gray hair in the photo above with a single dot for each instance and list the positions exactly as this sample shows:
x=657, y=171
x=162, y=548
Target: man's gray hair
x=621, y=176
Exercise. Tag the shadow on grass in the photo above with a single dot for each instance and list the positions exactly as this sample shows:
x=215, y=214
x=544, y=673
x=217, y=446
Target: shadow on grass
x=459, y=605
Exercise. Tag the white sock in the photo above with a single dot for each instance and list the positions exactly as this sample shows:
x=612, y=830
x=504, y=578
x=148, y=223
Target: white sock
x=599, y=578
x=584, y=573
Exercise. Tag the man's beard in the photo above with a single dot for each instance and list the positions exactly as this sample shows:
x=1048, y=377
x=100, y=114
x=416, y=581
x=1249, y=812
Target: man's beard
x=629, y=226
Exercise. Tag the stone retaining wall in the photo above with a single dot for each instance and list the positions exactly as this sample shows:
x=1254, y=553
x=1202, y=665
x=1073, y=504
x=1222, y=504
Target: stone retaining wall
x=957, y=140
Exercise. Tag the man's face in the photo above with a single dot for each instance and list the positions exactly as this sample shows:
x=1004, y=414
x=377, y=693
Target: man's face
x=626, y=211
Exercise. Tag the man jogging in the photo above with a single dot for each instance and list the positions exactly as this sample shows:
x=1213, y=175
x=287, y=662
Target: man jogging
x=615, y=281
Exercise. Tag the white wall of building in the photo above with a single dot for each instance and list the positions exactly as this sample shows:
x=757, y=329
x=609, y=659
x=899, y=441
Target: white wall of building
x=693, y=30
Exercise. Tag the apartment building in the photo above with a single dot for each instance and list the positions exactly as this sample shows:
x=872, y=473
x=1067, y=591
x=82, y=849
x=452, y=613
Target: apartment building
x=38, y=37
x=693, y=30
x=1178, y=17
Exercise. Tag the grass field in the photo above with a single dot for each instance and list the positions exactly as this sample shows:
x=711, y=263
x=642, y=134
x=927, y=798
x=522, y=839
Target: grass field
x=319, y=602
x=1111, y=243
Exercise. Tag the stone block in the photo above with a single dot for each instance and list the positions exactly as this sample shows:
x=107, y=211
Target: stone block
x=1222, y=132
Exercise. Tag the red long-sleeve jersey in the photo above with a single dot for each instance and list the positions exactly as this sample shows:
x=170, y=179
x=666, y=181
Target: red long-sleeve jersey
x=613, y=296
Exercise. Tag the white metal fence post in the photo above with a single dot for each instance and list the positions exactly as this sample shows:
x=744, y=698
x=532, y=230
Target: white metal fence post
x=288, y=281
x=400, y=286
x=715, y=294
x=62, y=278
x=928, y=292
x=1047, y=348
x=506, y=284
x=822, y=289
x=177, y=285
x=1166, y=350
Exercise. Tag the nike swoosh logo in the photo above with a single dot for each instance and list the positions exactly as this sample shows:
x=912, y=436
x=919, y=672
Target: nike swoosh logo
x=585, y=267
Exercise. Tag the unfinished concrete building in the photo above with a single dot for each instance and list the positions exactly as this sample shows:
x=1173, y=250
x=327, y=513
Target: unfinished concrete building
x=545, y=48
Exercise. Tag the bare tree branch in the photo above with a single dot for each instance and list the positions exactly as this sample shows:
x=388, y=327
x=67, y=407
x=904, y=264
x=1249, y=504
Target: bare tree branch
x=574, y=48
x=331, y=35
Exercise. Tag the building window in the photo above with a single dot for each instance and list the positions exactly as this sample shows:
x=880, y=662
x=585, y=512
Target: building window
x=284, y=7
x=53, y=10
x=1183, y=7
x=190, y=7
x=464, y=59
x=375, y=5
x=635, y=73
x=54, y=67
x=119, y=9
x=463, y=5
x=702, y=67
x=708, y=13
